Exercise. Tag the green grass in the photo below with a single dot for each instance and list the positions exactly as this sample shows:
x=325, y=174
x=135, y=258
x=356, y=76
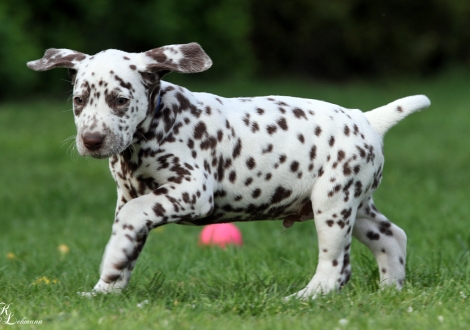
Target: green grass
x=50, y=196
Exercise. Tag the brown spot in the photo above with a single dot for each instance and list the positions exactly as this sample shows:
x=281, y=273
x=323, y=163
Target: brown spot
x=299, y=113
x=294, y=166
x=256, y=193
x=280, y=194
x=237, y=149
x=356, y=129
x=250, y=163
x=268, y=149
x=199, y=130
x=399, y=109
x=282, y=123
x=209, y=143
x=373, y=236
x=357, y=189
x=112, y=278
x=356, y=169
x=159, y=210
x=124, y=84
x=346, y=213
x=384, y=228
x=271, y=129
x=335, y=263
x=341, y=155
x=362, y=152
x=318, y=131
x=313, y=152
x=331, y=142
x=347, y=169
x=246, y=119
x=337, y=188
x=233, y=176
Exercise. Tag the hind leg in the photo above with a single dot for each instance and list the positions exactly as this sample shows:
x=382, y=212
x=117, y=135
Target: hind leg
x=334, y=220
x=386, y=241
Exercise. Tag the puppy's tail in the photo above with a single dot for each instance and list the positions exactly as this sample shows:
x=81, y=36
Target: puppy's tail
x=383, y=118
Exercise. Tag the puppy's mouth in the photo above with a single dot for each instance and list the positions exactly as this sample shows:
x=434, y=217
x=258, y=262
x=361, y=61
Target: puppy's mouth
x=100, y=152
x=97, y=154
x=101, y=156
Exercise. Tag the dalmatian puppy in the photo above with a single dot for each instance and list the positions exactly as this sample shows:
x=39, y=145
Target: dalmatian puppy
x=197, y=158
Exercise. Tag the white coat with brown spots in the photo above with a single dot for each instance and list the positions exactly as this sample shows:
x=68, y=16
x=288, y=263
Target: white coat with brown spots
x=197, y=158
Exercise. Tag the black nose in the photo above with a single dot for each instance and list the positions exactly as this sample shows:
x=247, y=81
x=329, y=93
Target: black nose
x=93, y=141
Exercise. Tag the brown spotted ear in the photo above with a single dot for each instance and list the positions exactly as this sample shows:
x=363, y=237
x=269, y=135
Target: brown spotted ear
x=186, y=58
x=58, y=58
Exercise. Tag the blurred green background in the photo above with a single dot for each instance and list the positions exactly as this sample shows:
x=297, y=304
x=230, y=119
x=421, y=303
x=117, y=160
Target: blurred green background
x=333, y=40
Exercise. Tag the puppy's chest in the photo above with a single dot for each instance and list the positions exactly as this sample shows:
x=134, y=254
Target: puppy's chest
x=137, y=174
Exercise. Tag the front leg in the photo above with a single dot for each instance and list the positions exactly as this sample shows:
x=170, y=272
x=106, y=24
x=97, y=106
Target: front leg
x=135, y=220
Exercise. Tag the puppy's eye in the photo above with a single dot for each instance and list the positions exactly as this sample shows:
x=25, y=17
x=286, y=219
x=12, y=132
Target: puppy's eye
x=78, y=100
x=121, y=101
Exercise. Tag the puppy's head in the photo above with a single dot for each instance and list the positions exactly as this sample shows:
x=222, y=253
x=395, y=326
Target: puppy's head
x=114, y=92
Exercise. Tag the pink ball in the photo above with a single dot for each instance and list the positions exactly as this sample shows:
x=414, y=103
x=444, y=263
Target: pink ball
x=220, y=234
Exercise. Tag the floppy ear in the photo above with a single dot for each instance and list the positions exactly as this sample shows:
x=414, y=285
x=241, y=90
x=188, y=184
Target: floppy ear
x=186, y=58
x=58, y=58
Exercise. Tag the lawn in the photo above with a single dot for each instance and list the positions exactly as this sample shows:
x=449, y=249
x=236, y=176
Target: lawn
x=57, y=210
